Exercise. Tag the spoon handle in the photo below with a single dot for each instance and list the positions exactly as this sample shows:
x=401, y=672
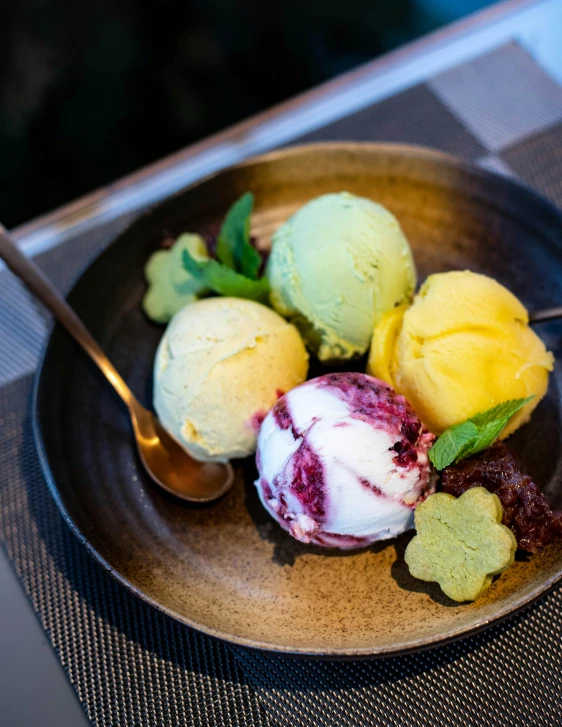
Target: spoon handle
x=550, y=314
x=45, y=291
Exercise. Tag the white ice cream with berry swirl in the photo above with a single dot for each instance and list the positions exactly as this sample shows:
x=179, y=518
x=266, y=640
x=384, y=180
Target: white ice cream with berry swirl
x=342, y=461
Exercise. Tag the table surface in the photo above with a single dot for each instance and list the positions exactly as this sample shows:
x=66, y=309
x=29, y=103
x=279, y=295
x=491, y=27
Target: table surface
x=33, y=686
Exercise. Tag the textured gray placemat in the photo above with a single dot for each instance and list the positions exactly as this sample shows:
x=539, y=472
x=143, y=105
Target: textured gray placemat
x=129, y=664
x=509, y=675
x=133, y=666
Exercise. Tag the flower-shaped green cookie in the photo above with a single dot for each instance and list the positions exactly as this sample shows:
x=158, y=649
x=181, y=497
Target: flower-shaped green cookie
x=460, y=543
x=170, y=286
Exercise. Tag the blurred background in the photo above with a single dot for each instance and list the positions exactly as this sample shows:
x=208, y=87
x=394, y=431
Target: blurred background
x=93, y=89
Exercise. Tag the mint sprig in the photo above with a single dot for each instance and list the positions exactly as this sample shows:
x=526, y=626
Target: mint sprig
x=236, y=270
x=234, y=248
x=225, y=281
x=473, y=435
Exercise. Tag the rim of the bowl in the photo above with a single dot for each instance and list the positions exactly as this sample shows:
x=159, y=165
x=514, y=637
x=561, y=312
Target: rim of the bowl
x=402, y=648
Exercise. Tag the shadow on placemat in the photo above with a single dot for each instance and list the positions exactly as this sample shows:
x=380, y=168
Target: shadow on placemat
x=471, y=682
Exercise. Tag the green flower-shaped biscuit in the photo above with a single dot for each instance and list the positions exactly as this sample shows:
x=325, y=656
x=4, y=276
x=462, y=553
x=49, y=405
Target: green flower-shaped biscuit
x=170, y=286
x=460, y=543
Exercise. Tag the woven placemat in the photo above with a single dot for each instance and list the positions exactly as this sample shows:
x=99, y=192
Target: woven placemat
x=133, y=666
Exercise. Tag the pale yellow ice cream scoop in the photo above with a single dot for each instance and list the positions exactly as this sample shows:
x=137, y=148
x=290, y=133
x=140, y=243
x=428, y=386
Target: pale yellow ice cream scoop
x=462, y=347
x=221, y=365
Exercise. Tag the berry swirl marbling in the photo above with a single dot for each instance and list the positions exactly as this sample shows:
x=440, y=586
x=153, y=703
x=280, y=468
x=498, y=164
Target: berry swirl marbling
x=342, y=461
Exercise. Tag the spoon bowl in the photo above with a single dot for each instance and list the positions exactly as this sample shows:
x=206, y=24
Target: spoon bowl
x=169, y=465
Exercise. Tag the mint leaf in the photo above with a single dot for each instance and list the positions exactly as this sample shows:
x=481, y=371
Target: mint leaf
x=234, y=248
x=491, y=423
x=506, y=409
x=225, y=281
x=236, y=270
x=228, y=233
x=450, y=443
x=475, y=434
x=250, y=259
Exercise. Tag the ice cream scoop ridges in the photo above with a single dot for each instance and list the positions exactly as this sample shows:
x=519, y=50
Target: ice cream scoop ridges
x=342, y=461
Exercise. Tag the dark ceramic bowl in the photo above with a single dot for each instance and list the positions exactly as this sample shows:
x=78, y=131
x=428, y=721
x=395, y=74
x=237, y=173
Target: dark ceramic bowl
x=227, y=569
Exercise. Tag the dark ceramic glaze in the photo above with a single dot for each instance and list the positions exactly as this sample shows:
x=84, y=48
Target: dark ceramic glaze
x=228, y=569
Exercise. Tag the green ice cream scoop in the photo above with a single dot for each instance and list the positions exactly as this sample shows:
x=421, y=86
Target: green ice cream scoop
x=170, y=286
x=335, y=268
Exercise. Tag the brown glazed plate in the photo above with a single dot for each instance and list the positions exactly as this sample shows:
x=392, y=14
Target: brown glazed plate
x=227, y=569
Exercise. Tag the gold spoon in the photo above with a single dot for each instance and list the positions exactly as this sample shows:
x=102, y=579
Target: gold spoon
x=166, y=462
